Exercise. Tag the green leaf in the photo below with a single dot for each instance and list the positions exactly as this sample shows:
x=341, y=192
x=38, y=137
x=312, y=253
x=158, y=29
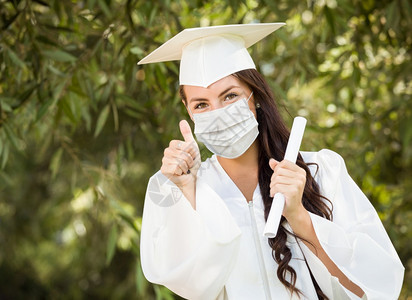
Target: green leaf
x=115, y=117
x=153, y=13
x=407, y=10
x=11, y=136
x=15, y=59
x=124, y=99
x=137, y=50
x=393, y=15
x=406, y=133
x=87, y=119
x=52, y=102
x=141, y=281
x=7, y=180
x=55, y=162
x=105, y=8
x=111, y=244
x=28, y=92
x=119, y=159
x=46, y=40
x=101, y=120
x=278, y=89
x=356, y=73
x=59, y=55
x=58, y=90
x=129, y=220
x=330, y=18
x=44, y=108
x=66, y=107
x=5, y=107
x=163, y=293
x=90, y=4
x=107, y=90
x=5, y=156
x=56, y=71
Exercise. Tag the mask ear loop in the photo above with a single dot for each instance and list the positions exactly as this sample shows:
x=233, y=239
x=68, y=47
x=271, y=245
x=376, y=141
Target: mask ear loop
x=191, y=113
x=249, y=97
x=257, y=105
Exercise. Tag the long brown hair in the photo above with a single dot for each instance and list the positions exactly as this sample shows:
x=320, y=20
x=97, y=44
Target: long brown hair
x=273, y=137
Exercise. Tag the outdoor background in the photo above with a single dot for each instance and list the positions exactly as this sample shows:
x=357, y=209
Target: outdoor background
x=82, y=127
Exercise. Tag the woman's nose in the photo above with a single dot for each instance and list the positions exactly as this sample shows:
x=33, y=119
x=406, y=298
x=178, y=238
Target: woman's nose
x=216, y=105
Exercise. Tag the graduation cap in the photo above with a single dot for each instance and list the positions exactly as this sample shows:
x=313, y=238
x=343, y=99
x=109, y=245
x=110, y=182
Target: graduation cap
x=208, y=54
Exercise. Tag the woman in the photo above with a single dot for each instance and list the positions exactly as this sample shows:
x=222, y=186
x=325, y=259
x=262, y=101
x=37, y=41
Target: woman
x=203, y=222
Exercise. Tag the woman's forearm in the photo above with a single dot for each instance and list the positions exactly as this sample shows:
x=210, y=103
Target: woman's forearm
x=189, y=191
x=302, y=226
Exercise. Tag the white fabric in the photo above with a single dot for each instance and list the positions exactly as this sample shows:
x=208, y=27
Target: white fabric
x=228, y=131
x=210, y=254
x=210, y=53
x=207, y=60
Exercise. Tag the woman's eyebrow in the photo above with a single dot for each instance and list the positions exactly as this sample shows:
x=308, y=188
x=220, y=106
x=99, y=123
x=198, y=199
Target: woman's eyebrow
x=228, y=89
x=197, y=100
x=220, y=95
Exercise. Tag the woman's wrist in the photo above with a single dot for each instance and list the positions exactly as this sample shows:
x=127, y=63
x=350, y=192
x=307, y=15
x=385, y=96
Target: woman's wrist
x=301, y=223
x=189, y=191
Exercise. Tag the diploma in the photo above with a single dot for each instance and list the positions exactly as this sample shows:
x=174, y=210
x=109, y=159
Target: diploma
x=291, y=154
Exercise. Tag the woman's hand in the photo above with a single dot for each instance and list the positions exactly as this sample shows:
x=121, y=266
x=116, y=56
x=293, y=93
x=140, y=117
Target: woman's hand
x=288, y=179
x=181, y=162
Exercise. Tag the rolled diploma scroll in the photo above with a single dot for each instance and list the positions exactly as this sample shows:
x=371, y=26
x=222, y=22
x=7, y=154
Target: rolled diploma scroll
x=291, y=154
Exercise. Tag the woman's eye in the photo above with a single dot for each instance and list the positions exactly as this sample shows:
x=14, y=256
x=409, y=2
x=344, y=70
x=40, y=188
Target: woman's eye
x=201, y=105
x=230, y=96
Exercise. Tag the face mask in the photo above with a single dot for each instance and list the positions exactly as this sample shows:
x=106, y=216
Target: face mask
x=228, y=131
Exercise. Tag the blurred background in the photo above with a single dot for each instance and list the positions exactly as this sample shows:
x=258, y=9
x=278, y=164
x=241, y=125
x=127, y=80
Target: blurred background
x=82, y=127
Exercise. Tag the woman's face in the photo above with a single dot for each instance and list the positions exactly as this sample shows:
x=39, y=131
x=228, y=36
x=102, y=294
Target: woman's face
x=219, y=94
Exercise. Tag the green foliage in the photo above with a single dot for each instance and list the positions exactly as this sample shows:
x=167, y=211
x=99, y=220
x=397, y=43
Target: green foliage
x=82, y=127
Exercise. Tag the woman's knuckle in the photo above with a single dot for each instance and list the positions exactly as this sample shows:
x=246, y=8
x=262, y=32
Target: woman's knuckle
x=167, y=151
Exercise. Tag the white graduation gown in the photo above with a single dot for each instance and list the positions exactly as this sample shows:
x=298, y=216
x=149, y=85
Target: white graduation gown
x=209, y=253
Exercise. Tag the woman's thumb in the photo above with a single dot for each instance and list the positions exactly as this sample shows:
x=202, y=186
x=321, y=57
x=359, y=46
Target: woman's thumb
x=273, y=163
x=186, y=131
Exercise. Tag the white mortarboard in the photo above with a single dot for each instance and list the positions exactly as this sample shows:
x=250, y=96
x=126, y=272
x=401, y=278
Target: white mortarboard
x=208, y=54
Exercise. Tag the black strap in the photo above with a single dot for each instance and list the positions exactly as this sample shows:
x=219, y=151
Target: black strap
x=319, y=293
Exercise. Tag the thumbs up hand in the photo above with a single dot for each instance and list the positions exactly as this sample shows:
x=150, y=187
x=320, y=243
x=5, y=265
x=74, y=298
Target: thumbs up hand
x=181, y=159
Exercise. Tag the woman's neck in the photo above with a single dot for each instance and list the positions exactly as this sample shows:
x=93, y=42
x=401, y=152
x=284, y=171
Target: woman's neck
x=246, y=164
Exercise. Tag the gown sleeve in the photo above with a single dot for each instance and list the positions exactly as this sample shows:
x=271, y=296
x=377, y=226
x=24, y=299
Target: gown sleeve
x=355, y=240
x=191, y=252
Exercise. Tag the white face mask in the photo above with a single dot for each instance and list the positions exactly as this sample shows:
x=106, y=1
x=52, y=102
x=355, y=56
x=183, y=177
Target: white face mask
x=228, y=131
